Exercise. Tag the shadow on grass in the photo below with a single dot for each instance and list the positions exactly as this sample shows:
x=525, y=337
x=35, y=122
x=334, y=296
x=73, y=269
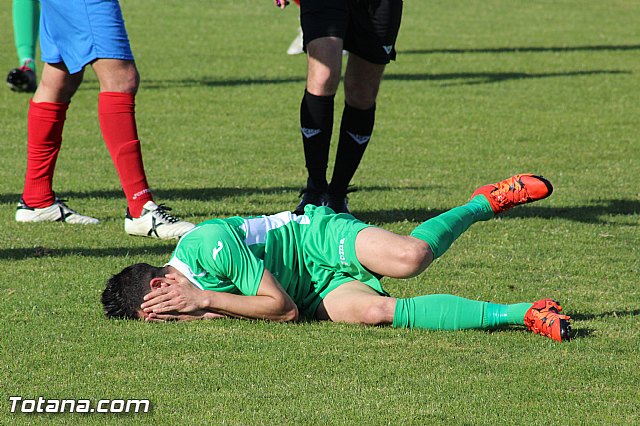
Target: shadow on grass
x=610, y=314
x=472, y=77
x=525, y=49
x=584, y=214
x=593, y=213
x=206, y=194
x=581, y=333
x=40, y=252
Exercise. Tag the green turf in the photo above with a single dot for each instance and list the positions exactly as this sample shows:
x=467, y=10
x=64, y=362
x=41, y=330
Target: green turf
x=481, y=90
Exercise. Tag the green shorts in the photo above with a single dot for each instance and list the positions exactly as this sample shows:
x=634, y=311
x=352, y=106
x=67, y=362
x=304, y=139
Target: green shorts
x=330, y=255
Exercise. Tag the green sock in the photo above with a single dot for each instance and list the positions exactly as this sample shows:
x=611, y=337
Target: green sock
x=447, y=312
x=26, y=21
x=441, y=231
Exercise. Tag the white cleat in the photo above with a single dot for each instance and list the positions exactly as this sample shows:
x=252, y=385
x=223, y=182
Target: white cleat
x=296, y=47
x=56, y=212
x=156, y=222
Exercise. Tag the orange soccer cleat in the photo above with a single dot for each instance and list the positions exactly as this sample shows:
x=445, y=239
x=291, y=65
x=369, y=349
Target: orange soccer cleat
x=518, y=189
x=544, y=318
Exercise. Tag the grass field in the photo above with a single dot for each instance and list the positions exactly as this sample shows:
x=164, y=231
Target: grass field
x=480, y=90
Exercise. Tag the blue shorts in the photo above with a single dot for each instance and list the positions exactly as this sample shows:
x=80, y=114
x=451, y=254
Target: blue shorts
x=78, y=32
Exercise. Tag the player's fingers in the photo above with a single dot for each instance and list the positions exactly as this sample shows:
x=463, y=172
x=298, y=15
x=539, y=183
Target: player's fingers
x=154, y=301
x=164, y=307
x=156, y=292
x=171, y=279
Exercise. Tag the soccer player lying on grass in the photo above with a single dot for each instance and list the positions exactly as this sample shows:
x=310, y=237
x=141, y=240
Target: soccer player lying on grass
x=325, y=266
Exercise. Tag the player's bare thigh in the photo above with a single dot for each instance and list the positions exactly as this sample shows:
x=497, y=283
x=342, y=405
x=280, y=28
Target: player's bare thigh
x=355, y=302
x=392, y=255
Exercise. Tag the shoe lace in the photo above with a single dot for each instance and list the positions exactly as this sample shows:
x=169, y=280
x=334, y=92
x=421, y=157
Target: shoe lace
x=163, y=212
x=63, y=202
x=25, y=66
x=510, y=191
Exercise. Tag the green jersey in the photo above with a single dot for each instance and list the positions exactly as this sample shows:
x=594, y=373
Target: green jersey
x=308, y=254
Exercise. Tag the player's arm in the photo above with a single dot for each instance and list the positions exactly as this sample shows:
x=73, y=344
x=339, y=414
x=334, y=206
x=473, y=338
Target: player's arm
x=183, y=299
x=271, y=302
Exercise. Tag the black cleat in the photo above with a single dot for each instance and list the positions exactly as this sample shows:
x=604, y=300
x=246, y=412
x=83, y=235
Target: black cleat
x=309, y=196
x=338, y=202
x=22, y=79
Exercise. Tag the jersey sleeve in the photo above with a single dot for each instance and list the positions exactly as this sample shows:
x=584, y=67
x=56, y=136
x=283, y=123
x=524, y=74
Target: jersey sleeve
x=224, y=253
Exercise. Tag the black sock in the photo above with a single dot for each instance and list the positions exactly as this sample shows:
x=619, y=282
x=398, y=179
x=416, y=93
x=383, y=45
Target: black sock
x=355, y=132
x=316, y=123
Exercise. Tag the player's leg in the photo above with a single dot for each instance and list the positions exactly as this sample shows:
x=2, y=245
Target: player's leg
x=324, y=61
x=324, y=23
x=361, y=85
x=355, y=302
x=46, y=118
x=119, y=80
x=408, y=256
x=26, y=17
x=370, y=39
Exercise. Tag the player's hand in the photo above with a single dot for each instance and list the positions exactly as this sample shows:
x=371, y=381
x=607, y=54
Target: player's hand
x=281, y=3
x=179, y=297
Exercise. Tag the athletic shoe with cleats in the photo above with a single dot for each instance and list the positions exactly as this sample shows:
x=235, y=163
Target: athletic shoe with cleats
x=544, y=318
x=22, y=79
x=311, y=196
x=155, y=221
x=57, y=212
x=518, y=189
x=338, y=202
x=296, y=47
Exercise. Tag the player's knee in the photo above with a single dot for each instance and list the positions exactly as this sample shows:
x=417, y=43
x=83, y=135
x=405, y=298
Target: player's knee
x=379, y=312
x=323, y=83
x=126, y=81
x=413, y=256
x=58, y=90
x=359, y=95
x=291, y=315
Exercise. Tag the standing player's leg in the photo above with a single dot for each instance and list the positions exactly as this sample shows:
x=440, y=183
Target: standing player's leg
x=26, y=17
x=324, y=25
x=47, y=115
x=119, y=81
x=361, y=85
x=324, y=57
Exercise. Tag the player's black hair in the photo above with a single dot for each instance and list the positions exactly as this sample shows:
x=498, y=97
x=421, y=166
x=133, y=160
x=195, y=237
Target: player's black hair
x=125, y=291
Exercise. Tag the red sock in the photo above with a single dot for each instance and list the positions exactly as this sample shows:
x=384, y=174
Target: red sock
x=46, y=121
x=116, y=112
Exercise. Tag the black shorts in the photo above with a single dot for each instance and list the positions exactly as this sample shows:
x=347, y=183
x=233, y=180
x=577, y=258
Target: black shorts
x=369, y=28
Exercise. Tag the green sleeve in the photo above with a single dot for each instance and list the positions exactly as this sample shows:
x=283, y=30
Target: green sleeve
x=224, y=254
